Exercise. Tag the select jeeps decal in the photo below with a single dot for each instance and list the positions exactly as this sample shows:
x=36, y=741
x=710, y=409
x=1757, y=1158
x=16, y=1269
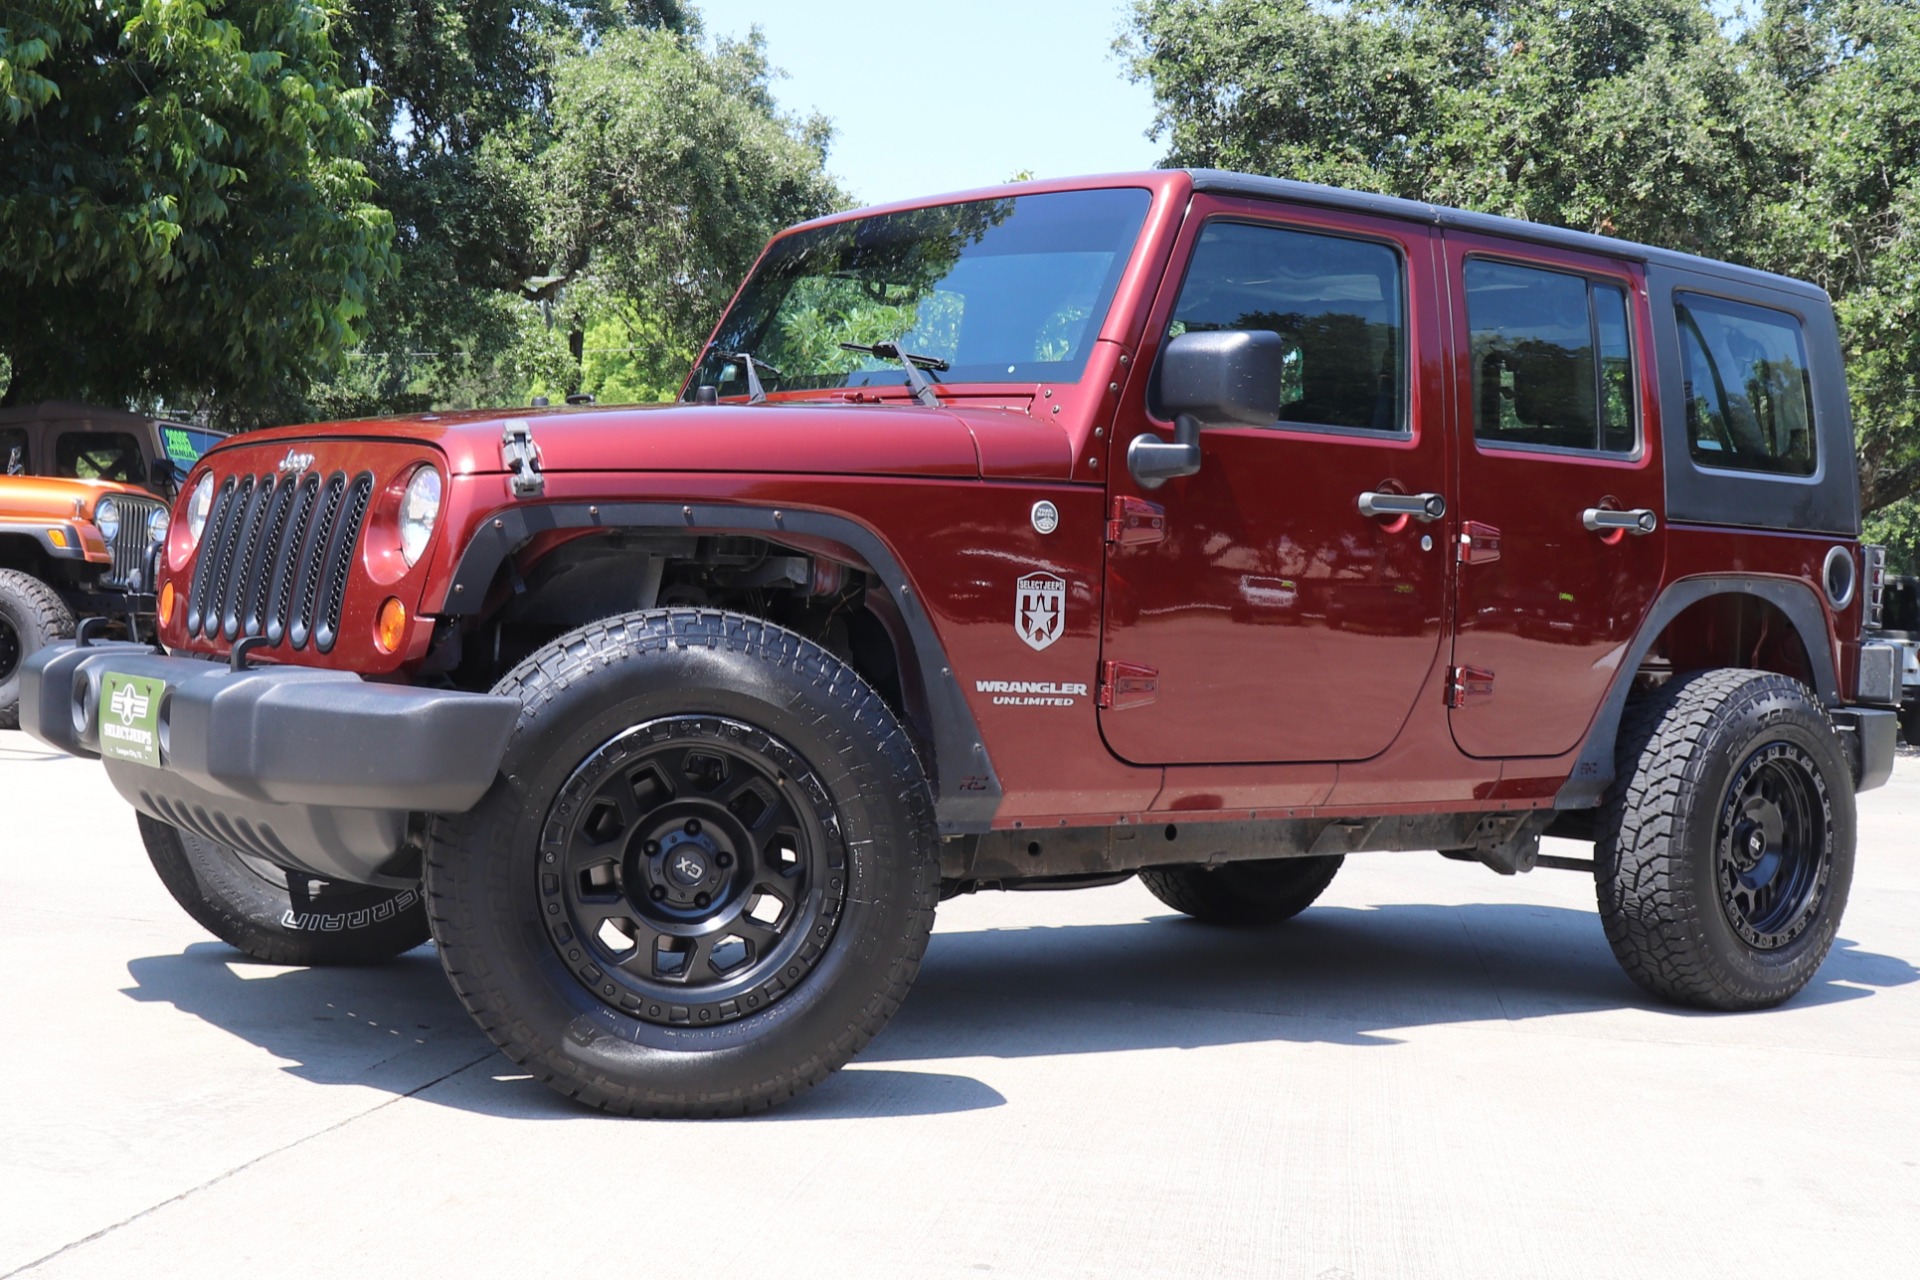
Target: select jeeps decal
x=1031, y=693
x=1040, y=609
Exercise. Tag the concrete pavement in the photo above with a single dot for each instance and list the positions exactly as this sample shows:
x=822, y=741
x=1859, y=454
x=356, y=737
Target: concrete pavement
x=1437, y=1072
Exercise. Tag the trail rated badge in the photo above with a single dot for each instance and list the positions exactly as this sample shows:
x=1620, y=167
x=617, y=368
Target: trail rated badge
x=1040, y=609
x=130, y=718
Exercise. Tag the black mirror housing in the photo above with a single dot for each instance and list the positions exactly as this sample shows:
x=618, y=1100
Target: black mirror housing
x=1225, y=378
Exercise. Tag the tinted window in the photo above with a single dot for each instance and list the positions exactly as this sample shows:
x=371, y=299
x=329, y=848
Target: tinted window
x=1010, y=290
x=1334, y=302
x=1552, y=359
x=99, y=455
x=14, y=459
x=184, y=445
x=1749, y=399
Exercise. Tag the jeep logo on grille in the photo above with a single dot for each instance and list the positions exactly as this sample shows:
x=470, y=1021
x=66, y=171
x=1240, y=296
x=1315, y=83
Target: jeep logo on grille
x=295, y=462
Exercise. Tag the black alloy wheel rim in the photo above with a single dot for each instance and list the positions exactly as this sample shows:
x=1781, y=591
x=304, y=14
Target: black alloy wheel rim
x=692, y=871
x=1774, y=846
x=9, y=649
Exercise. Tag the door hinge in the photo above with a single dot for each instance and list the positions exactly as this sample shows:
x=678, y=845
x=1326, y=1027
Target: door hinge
x=1127, y=684
x=1135, y=522
x=1479, y=543
x=1467, y=682
x=520, y=455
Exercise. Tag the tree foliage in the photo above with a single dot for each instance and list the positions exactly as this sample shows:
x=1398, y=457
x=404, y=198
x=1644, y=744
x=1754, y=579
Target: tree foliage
x=183, y=213
x=670, y=169
x=576, y=187
x=1789, y=141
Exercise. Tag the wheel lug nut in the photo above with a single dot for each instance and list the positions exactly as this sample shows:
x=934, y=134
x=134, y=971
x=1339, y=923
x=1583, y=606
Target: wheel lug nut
x=659, y=894
x=701, y=899
x=724, y=859
x=693, y=826
x=652, y=848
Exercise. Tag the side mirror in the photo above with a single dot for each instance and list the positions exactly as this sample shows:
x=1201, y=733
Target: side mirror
x=165, y=477
x=1226, y=378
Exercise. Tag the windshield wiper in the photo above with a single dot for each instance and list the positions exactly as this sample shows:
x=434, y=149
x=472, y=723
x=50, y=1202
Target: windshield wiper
x=748, y=361
x=912, y=362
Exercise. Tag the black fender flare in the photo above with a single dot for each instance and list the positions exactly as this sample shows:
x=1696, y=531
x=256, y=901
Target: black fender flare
x=966, y=789
x=1592, y=772
x=41, y=533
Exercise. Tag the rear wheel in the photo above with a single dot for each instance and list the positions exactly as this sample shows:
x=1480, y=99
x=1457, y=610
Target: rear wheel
x=1726, y=849
x=281, y=916
x=1261, y=892
x=706, y=875
x=31, y=615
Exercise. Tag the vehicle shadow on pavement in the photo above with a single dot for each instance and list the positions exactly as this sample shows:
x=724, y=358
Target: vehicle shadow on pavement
x=398, y=1027
x=1334, y=975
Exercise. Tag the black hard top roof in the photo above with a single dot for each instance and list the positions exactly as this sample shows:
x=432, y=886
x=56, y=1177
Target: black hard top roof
x=1221, y=182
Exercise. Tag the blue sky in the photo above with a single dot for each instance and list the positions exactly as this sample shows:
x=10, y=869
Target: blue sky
x=927, y=98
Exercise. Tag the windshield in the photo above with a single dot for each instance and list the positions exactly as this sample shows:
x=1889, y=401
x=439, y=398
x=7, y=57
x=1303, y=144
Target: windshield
x=1010, y=290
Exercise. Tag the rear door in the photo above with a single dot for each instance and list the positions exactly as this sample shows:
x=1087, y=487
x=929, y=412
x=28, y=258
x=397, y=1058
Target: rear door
x=1563, y=536
x=1274, y=621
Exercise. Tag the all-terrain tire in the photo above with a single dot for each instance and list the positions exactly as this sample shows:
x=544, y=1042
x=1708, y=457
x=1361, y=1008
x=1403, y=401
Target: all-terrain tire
x=282, y=917
x=1261, y=892
x=31, y=615
x=651, y=748
x=1725, y=849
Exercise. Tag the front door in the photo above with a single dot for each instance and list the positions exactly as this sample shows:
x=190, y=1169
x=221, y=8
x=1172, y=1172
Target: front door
x=1274, y=620
x=1562, y=534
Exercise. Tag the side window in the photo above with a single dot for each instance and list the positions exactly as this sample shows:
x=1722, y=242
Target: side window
x=1748, y=395
x=1335, y=303
x=1552, y=359
x=99, y=455
x=13, y=452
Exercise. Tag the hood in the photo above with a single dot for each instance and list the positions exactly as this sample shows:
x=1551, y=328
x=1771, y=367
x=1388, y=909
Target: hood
x=772, y=438
x=45, y=498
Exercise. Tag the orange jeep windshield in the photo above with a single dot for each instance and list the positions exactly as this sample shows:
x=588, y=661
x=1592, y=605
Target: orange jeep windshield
x=1010, y=290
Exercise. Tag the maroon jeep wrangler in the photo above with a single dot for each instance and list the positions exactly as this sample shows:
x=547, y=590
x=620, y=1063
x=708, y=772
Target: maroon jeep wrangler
x=1195, y=526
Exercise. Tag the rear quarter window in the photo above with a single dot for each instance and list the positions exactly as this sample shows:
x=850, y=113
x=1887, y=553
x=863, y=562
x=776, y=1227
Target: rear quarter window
x=1748, y=391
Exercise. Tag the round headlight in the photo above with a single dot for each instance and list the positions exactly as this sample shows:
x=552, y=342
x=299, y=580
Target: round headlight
x=418, y=512
x=107, y=516
x=157, y=526
x=199, y=505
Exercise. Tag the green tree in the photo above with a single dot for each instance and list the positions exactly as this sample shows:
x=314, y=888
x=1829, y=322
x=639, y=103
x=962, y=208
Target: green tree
x=1790, y=142
x=670, y=168
x=577, y=187
x=184, y=214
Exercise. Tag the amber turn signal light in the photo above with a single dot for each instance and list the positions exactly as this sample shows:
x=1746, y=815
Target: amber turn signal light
x=166, y=602
x=390, y=628
x=58, y=537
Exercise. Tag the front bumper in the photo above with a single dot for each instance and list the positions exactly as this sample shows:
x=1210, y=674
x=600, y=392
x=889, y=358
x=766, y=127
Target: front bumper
x=316, y=770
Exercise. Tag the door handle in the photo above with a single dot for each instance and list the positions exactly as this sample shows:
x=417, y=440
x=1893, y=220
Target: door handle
x=1639, y=522
x=1424, y=507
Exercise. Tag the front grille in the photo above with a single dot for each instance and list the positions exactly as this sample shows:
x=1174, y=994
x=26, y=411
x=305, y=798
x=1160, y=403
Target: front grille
x=275, y=558
x=129, y=546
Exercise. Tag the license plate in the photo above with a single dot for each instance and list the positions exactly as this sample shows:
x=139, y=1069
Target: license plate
x=130, y=718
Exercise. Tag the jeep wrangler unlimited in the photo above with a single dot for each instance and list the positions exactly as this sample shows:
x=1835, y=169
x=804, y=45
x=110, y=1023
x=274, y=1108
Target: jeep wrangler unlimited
x=1203, y=527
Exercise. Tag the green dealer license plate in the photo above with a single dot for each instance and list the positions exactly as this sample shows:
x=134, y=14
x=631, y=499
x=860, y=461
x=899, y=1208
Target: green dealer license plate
x=130, y=718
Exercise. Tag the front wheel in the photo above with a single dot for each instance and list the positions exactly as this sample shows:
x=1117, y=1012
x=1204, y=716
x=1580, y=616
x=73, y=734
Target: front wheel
x=705, y=876
x=32, y=614
x=1726, y=851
